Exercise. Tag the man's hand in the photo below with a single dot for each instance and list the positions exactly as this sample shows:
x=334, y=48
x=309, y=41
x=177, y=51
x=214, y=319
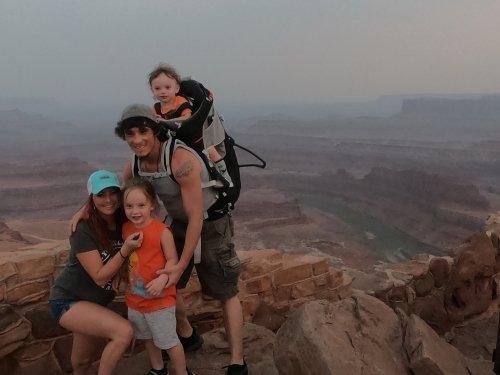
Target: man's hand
x=155, y=287
x=174, y=273
x=80, y=215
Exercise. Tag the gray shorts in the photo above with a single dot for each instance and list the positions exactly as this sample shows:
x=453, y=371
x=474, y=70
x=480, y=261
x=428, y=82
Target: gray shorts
x=158, y=325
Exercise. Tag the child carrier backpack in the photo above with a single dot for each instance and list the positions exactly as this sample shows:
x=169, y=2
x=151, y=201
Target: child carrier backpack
x=202, y=129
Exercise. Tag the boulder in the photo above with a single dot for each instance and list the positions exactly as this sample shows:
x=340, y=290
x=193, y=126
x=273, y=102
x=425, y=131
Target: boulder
x=429, y=354
x=431, y=309
x=357, y=335
x=479, y=366
x=477, y=338
x=470, y=287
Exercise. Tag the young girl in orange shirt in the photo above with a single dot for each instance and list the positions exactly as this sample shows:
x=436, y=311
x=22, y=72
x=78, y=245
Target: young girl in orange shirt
x=151, y=306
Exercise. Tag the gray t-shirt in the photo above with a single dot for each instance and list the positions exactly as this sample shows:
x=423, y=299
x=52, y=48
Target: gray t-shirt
x=74, y=282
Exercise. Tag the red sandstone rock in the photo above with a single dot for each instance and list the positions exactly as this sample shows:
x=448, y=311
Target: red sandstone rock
x=292, y=272
x=335, y=278
x=358, y=335
x=428, y=353
x=321, y=280
x=7, y=270
x=14, y=329
x=282, y=293
x=440, y=269
x=29, y=291
x=303, y=289
x=412, y=268
x=431, y=309
x=36, y=268
x=250, y=303
x=423, y=284
x=319, y=265
x=258, y=267
x=268, y=316
x=258, y=284
x=470, y=288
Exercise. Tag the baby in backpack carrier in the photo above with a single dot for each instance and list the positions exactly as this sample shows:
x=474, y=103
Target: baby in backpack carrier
x=164, y=83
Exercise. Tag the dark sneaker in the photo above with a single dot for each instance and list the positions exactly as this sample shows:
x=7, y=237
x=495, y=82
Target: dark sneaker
x=191, y=343
x=235, y=369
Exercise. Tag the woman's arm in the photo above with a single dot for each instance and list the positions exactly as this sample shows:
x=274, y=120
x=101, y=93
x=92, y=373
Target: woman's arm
x=101, y=273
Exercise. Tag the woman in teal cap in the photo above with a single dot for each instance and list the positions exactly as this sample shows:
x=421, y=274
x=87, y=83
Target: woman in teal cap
x=80, y=294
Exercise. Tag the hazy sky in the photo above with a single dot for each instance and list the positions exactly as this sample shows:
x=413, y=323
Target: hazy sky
x=282, y=51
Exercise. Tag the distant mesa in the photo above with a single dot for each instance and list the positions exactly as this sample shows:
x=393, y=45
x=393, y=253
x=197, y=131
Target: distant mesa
x=485, y=107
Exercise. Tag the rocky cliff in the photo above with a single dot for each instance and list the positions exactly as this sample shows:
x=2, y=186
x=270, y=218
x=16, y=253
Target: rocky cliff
x=302, y=315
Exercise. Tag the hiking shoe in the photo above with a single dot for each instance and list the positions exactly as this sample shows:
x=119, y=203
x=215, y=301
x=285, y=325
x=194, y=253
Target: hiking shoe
x=191, y=343
x=163, y=371
x=236, y=369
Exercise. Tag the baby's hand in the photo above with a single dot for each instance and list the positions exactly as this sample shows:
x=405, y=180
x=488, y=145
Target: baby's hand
x=155, y=287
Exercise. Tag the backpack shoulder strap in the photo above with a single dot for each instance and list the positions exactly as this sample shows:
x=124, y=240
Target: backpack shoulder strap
x=135, y=165
x=136, y=171
x=167, y=157
x=173, y=145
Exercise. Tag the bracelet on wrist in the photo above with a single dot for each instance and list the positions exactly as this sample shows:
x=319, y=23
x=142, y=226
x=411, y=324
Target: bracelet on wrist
x=120, y=251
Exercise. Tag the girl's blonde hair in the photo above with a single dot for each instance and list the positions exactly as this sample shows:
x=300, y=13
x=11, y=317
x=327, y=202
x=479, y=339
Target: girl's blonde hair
x=146, y=187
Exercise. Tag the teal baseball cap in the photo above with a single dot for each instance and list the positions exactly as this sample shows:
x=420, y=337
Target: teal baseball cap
x=100, y=180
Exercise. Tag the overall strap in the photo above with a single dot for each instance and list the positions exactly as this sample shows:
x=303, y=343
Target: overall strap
x=167, y=157
x=135, y=165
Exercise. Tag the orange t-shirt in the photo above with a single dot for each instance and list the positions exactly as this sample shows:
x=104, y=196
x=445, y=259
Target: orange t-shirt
x=142, y=266
x=169, y=112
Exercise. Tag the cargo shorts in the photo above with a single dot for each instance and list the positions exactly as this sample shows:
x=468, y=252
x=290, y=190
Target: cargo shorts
x=220, y=267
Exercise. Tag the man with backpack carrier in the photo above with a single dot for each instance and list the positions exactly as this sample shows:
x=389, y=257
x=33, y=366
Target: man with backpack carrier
x=184, y=184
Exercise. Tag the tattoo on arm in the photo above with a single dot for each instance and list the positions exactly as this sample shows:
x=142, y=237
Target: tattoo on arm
x=184, y=170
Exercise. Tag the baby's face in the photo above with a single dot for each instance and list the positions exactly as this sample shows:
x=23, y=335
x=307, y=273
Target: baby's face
x=164, y=88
